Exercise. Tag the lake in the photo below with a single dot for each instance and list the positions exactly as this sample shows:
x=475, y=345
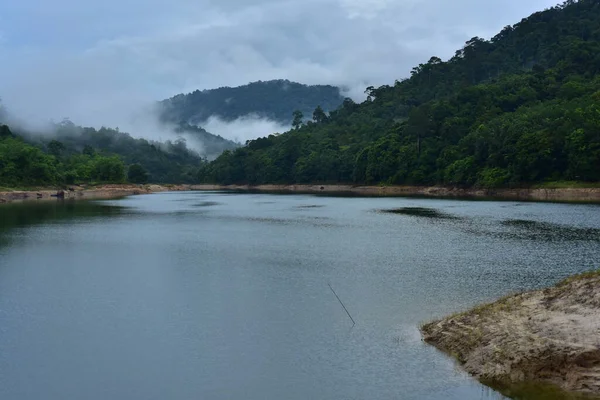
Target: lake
x=208, y=295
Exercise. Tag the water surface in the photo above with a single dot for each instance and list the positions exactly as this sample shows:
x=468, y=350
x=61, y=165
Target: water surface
x=225, y=296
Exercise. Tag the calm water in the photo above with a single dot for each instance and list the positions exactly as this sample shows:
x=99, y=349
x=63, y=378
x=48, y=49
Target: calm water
x=225, y=296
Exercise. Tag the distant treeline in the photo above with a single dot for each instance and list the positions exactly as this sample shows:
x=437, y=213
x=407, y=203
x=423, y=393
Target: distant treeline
x=22, y=164
x=86, y=155
x=521, y=108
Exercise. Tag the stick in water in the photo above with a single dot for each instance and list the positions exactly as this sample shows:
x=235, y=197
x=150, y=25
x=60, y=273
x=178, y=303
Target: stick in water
x=338, y=297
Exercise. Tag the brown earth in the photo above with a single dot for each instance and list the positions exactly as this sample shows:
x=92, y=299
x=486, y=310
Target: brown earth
x=591, y=195
x=550, y=336
x=86, y=193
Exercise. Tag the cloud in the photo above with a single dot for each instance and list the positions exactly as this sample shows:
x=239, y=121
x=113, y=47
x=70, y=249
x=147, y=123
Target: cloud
x=97, y=63
x=244, y=128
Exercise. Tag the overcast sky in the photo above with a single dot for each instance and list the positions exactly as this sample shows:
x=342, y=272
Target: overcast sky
x=94, y=61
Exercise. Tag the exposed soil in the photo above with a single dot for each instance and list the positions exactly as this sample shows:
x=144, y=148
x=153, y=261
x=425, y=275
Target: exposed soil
x=591, y=195
x=86, y=193
x=550, y=336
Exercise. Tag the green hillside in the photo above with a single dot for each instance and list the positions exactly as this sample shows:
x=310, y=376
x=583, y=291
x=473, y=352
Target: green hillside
x=520, y=108
x=73, y=154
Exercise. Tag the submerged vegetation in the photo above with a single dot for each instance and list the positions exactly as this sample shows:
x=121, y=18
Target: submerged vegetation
x=520, y=109
x=421, y=212
x=535, y=230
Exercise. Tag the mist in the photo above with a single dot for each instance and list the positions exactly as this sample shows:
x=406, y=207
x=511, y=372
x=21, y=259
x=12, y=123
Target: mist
x=245, y=128
x=139, y=119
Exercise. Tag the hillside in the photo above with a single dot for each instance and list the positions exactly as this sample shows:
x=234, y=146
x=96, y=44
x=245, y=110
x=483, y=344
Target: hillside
x=26, y=165
x=85, y=155
x=518, y=109
x=275, y=100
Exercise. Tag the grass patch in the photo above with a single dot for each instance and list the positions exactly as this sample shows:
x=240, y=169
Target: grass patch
x=579, y=277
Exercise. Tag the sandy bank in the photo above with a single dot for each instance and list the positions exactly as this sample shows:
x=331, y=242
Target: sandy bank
x=550, y=336
x=564, y=194
x=86, y=193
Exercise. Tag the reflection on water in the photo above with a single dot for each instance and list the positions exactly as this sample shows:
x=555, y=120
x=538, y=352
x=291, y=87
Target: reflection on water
x=225, y=296
x=527, y=391
x=21, y=215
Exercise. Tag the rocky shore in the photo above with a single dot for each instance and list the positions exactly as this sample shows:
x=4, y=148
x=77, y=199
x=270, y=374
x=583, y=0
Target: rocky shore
x=550, y=336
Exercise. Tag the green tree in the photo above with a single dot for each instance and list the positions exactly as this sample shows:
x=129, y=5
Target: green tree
x=5, y=131
x=319, y=115
x=56, y=148
x=137, y=174
x=298, y=119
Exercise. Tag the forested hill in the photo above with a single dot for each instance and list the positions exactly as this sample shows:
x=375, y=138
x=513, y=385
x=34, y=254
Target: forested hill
x=74, y=154
x=520, y=108
x=275, y=100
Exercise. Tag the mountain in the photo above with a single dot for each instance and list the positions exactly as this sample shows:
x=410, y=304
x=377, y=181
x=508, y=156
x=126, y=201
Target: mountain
x=519, y=109
x=275, y=100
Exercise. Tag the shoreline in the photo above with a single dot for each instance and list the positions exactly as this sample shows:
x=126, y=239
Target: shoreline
x=86, y=192
x=584, y=195
x=110, y=191
x=545, y=338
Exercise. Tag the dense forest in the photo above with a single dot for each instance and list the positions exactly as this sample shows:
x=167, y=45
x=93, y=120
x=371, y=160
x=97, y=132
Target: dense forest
x=521, y=108
x=168, y=162
x=22, y=164
x=72, y=154
x=275, y=100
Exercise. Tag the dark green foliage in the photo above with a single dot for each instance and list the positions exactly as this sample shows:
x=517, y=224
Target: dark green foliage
x=521, y=108
x=275, y=100
x=169, y=162
x=22, y=164
x=298, y=119
x=5, y=131
x=137, y=174
x=55, y=148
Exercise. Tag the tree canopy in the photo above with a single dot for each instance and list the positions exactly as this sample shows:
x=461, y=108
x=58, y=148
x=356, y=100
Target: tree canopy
x=22, y=164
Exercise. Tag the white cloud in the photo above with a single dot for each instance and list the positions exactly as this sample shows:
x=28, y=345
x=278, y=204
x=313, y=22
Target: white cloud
x=244, y=128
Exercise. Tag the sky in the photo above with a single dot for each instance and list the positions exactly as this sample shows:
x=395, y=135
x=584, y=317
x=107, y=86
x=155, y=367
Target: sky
x=99, y=62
